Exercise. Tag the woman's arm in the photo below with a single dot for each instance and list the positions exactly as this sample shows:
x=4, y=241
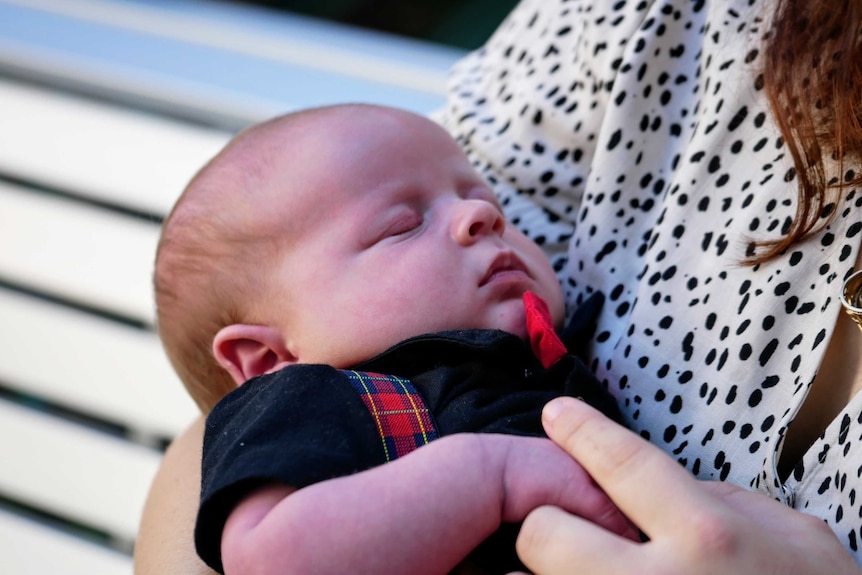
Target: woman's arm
x=694, y=526
x=165, y=545
x=421, y=514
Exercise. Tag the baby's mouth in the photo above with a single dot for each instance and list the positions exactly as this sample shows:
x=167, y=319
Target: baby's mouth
x=505, y=263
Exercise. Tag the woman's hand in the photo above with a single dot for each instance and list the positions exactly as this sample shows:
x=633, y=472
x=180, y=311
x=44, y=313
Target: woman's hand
x=693, y=526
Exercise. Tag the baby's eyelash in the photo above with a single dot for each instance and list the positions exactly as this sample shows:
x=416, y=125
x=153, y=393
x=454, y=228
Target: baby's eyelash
x=403, y=224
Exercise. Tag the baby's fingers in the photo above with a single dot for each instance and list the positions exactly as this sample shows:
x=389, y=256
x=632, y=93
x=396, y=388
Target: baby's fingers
x=544, y=474
x=598, y=509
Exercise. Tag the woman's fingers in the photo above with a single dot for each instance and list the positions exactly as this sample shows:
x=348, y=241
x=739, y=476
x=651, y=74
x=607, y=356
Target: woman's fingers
x=553, y=541
x=649, y=487
x=694, y=526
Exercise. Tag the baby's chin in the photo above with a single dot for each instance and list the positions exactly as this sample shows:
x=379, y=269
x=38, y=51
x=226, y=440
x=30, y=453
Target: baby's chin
x=512, y=319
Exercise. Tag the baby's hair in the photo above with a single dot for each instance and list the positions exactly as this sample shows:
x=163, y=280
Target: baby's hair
x=210, y=270
x=200, y=280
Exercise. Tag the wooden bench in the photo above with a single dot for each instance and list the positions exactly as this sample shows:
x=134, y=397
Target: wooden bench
x=107, y=107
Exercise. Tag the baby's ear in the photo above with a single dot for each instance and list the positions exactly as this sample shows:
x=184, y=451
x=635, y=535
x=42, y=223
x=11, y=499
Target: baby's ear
x=246, y=351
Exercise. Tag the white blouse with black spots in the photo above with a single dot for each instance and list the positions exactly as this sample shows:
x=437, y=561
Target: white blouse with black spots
x=632, y=139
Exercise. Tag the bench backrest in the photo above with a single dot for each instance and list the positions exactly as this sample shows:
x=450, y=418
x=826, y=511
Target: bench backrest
x=107, y=107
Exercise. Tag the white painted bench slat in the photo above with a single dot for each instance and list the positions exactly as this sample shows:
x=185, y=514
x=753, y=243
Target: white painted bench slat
x=236, y=60
x=75, y=251
x=86, y=363
x=107, y=153
x=72, y=471
x=31, y=548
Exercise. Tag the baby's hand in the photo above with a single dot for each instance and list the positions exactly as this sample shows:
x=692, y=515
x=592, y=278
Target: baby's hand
x=535, y=472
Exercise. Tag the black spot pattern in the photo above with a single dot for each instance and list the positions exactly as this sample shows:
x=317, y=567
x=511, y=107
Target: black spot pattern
x=633, y=138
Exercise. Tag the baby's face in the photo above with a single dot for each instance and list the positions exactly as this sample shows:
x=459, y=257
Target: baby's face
x=397, y=236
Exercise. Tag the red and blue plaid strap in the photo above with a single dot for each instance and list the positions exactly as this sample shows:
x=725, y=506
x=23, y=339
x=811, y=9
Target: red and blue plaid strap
x=402, y=418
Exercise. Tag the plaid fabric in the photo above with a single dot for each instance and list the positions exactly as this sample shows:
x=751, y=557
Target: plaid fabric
x=402, y=419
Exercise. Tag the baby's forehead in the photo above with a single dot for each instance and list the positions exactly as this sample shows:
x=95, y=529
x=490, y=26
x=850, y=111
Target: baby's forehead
x=296, y=158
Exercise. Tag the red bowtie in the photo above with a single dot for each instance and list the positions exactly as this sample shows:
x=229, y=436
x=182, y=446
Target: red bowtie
x=546, y=344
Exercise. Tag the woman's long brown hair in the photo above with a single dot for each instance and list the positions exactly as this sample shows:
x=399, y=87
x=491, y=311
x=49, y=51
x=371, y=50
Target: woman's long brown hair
x=813, y=79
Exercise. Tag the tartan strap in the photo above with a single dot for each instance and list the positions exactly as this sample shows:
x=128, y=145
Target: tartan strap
x=402, y=418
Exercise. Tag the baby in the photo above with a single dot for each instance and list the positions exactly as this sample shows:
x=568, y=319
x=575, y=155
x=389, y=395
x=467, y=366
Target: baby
x=350, y=284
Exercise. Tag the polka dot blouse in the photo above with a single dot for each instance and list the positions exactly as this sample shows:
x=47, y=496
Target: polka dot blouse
x=632, y=139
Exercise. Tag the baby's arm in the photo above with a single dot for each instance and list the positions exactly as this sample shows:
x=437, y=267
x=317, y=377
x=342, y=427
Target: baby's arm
x=423, y=513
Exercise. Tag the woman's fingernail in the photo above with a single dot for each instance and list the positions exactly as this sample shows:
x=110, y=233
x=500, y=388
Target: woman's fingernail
x=552, y=409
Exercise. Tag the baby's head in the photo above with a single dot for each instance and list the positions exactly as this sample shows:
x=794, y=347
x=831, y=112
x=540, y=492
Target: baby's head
x=329, y=235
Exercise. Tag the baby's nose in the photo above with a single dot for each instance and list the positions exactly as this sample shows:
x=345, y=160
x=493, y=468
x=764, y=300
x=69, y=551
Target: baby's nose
x=476, y=219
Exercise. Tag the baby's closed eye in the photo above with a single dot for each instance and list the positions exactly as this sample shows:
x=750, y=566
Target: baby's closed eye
x=401, y=224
